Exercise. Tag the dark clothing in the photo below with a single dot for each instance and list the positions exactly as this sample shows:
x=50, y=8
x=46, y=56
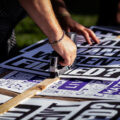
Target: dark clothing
x=107, y=13
x=10, y=14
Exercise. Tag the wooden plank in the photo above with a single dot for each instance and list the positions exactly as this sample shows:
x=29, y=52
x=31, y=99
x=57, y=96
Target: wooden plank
x=8, y=92
x=26, y=94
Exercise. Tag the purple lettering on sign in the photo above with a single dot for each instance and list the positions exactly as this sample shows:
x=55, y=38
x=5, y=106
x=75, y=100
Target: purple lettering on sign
x=73, y=85
x=113, y=89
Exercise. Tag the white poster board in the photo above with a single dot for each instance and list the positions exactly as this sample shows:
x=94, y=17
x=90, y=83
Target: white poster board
x=99, y=61
x=46, y=109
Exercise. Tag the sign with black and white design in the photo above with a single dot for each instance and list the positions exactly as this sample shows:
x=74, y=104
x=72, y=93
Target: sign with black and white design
x=46, y=109
x=74, y=88
x=34, y=46
x=4, y=98
x=99, y=61
x=77, y=88
x=19, y=81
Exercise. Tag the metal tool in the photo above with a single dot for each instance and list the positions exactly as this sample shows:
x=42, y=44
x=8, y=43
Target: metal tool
x=55, y=68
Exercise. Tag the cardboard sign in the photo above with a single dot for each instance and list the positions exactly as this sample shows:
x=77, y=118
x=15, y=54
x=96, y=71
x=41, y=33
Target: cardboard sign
x=77, y=88
x=99, y=61
x=38, y=108
x=4, y=98
x=19, y=81
x=74, y=88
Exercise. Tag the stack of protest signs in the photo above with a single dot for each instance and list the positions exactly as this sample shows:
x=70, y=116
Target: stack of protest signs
x=96, y=75
x=49, y=109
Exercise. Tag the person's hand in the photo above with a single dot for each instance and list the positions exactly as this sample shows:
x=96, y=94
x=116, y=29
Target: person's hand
x=69, y=25
x=67, y=50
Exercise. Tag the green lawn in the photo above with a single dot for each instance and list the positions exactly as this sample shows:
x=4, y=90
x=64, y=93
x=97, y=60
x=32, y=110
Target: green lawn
x=28, y=33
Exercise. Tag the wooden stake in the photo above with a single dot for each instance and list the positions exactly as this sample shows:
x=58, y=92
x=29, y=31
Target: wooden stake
x=26, y=94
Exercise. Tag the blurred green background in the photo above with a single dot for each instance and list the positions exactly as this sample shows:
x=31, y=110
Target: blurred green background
x=85, y=12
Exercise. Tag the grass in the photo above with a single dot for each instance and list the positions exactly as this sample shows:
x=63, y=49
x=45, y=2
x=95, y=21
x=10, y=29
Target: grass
x=86, y=20
x=28, y=33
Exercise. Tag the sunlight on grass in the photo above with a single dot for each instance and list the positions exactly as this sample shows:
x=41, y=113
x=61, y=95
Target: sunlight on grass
x=86, y=20
x=26, y=39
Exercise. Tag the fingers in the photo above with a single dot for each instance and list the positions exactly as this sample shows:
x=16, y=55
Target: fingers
x=68, y=60
x=87, y=37
x=68, y=29
x=93, y=36
x=88, y=34
x=73, y=26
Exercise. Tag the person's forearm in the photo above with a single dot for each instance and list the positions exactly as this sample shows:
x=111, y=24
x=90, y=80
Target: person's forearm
x=60, y=8
x=42, y=13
